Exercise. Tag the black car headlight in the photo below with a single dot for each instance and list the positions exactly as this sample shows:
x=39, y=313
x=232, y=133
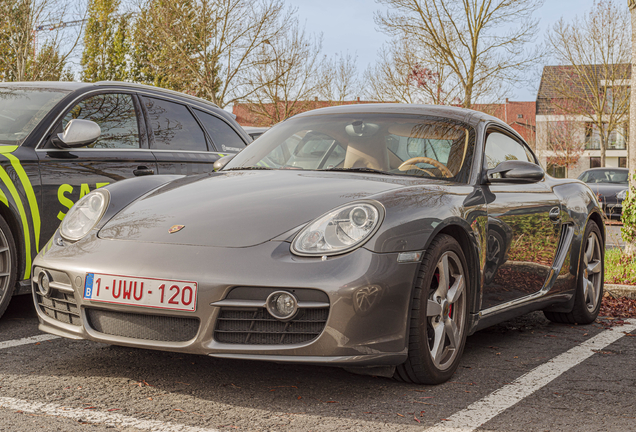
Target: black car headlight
x=84, y=215
x=340, y=230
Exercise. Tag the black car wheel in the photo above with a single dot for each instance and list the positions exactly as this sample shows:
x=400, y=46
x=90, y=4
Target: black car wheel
x=589, y=291
x=8, y=265
x=439, y=315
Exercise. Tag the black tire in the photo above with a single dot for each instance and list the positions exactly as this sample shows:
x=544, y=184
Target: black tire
x=8, y=265
x=589, y=285
x=431, y=311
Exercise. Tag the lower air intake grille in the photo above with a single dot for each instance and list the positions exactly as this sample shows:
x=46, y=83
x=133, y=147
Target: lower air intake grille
x=139, y=326
x=258, y=327
x=60, y=306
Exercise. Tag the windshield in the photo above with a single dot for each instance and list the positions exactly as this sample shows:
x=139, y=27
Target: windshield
x=392, y=144
x=605, y=176
x=22, y=108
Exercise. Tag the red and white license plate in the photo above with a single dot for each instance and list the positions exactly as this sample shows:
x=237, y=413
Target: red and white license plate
x=137, y=291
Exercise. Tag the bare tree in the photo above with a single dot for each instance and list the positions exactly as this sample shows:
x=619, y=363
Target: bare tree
x=340, y=81
x=404, y=74
x=465, y=37
x=26, y=55
x=206, y=47
x=564, y=140
x=593, y=81
x=287, y=79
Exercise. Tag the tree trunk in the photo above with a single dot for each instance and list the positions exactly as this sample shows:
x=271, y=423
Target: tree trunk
x=604, y=141
x=631, y=144
x=630, y=248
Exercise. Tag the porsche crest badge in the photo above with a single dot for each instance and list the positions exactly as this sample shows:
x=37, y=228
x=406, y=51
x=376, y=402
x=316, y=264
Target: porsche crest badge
x=176, y=228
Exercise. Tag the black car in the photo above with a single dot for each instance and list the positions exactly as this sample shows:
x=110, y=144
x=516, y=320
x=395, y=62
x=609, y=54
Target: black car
x=59, y=141
x=610, y=186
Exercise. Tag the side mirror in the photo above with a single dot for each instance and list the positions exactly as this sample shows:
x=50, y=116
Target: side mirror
x=515, y=171
x=77, y=133
x=220, y=163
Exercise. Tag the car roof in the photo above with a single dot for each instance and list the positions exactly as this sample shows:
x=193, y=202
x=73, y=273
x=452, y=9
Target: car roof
x=71, y=86
x=58, y=85
x=155, y=89
x=605, y=169
x=452, y=112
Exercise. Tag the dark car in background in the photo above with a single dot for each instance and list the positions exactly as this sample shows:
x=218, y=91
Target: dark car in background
x=255, y=131
x=61, y=140
x=374, y=237
x=610, y=186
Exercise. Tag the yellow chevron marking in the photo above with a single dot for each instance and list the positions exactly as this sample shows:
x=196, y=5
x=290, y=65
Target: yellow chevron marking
x=25, y=227
x=33, y=203
x=7, y=149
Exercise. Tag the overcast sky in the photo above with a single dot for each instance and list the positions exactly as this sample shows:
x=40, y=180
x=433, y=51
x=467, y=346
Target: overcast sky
x=348, y=26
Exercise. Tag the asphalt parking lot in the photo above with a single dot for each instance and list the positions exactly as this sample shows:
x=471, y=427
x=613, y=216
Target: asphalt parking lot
x=524, y=375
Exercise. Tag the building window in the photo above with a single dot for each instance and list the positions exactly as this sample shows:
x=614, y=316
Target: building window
x=592, y=137
x=557, y=171
x=616, y=140
x=519, y=115
x=622, y=162
x=595, y=162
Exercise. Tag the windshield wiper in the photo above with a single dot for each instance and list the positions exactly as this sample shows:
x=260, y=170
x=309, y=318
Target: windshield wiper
x=359, y=169
x=248, y=168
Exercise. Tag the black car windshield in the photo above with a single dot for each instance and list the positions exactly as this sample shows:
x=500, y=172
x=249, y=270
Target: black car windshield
x=22, y=108
x=612, y=176
x=392, y=144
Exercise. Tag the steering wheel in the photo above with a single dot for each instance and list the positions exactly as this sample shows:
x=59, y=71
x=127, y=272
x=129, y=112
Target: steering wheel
x=411, y=163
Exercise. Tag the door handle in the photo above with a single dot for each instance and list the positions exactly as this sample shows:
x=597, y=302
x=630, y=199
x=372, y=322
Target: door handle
x=555, y=214
x=143, y=170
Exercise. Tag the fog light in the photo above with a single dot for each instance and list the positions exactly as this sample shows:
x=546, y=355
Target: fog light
x=44, y=283
x=282, y=305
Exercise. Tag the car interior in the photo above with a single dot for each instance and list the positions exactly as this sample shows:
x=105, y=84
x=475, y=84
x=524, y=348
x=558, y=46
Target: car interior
x=435, y=148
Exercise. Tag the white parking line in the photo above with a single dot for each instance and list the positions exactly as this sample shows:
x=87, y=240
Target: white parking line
x=26, y=341
x=500, y=400
x=100, y=417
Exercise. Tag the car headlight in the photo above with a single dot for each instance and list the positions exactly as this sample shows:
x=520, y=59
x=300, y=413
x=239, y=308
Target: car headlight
x=622, y=194
x=84, y=215
x=341, y=230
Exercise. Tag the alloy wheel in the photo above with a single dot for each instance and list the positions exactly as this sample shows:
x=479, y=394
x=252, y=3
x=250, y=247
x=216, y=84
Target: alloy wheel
x=445, y=310
x=592, y=272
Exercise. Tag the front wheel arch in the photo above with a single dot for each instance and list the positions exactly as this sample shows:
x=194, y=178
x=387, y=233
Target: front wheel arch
x=471, y=253
x=18, y=238
x=420, y=366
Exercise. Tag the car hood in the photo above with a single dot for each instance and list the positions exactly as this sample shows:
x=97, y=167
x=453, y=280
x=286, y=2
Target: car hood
x=240, y=208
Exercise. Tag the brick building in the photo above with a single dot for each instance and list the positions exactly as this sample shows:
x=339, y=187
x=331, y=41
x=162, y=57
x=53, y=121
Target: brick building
x=521, y=116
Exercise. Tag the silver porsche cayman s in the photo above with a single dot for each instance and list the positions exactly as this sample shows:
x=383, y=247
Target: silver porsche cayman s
x=371, y=237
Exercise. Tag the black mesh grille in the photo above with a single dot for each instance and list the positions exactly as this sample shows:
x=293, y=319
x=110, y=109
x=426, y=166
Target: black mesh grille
x=139, y=326
x=60, y=306
x=258, y=327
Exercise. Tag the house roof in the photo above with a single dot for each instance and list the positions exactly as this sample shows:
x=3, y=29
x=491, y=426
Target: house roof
x=559, y=81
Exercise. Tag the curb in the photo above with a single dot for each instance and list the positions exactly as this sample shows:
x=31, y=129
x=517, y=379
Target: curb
x=628, y=291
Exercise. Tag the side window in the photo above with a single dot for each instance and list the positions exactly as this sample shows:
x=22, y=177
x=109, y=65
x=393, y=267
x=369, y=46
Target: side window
x=173, y=127
x=500, y=147
x=116, y=116
x=223, y=136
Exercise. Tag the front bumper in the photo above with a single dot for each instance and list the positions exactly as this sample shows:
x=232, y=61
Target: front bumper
x=612, y=206
x=368, y=294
